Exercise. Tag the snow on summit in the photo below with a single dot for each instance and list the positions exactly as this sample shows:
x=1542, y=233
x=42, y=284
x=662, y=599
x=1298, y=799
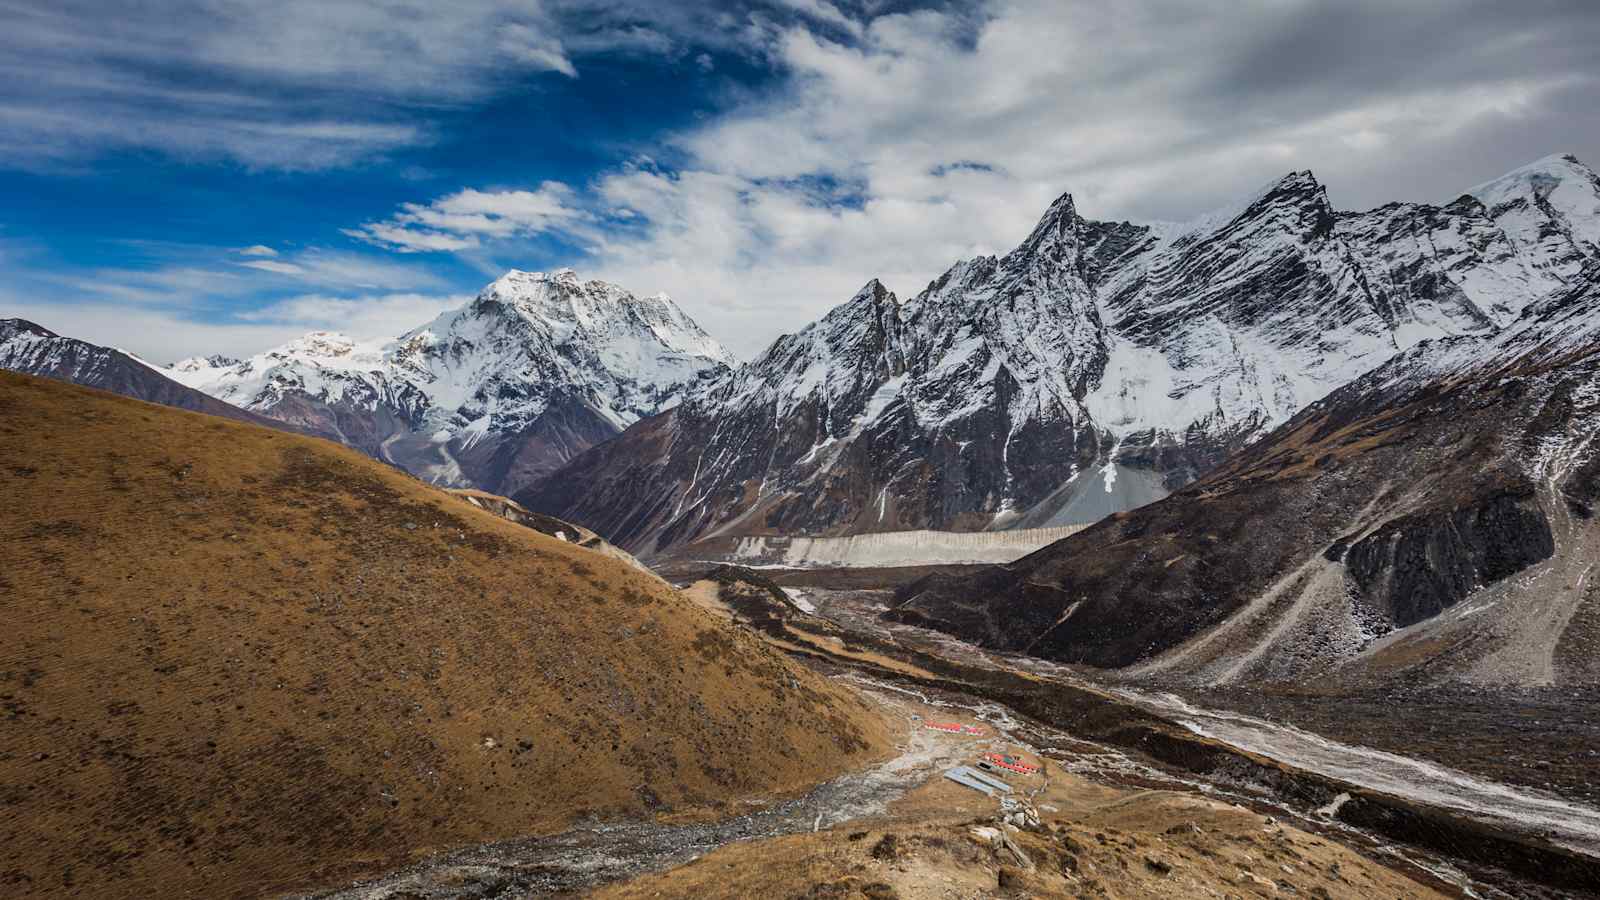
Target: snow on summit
x=547, y=361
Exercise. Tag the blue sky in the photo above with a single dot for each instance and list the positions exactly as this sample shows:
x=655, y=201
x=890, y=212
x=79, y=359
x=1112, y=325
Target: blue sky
x=197, y=176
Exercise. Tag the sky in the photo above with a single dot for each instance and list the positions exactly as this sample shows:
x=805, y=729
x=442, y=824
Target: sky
x=183, y=177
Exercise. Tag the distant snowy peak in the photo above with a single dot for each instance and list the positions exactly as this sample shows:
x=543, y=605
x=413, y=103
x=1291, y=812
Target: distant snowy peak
x=325, y=366
x=1560, y=181
x=536, y=357
x=1550, y=210
x=198, y=363
x=528, y=334
x=600, y=312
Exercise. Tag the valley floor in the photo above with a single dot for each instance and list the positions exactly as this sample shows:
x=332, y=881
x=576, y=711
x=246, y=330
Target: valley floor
x=1093, y=839
x=1128, y=804
x=1107, y=827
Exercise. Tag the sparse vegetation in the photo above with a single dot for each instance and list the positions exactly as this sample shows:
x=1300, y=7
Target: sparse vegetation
x=240, y=662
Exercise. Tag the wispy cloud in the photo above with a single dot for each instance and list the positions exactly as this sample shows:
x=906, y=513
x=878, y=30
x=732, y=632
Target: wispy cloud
x=464, y=219
x=342, y=270
x=272, y=265
x=196, y=300
x=297, y=84
x=362, y=315
x=306, y=84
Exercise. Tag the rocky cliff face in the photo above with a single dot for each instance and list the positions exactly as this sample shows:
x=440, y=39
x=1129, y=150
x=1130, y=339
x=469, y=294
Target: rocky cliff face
x=536, y=369
x=1092, y=369
x=1431, y=520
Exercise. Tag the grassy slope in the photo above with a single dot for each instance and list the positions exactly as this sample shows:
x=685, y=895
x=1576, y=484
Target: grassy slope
x=239, y=661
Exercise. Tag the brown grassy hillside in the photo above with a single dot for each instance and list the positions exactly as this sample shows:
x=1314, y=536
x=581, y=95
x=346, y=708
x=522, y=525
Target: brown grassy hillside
x=238, y=661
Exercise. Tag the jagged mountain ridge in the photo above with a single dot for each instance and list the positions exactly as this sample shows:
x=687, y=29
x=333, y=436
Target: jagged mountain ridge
x=1093, y=368
x=31, y=348
x=1435, y=520
x=535, y=369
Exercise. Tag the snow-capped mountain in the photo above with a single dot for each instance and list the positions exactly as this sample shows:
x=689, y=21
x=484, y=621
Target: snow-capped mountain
x=36, y=350
x=1094, y=368
x=532, y=371
x=1437, y=519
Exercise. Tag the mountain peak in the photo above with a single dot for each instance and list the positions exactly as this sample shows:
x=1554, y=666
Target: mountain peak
x=875, y=290
x=19, y=325
x=1057, y=229
x=196, y=363
x=1301, y=187
x=1061, y=207
x=562, y=301
x=320, y=343
x=1060, y=211
x=1539, y=180
x=522, y=278
x=871, y=310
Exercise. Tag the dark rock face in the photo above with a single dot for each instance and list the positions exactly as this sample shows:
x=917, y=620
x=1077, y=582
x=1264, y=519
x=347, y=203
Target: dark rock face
x=1447, y=473
x=1414, y=567
x=1093, y=351
x=349, y=423
x=35, y=350
x=565, y=428
x=1583, y=489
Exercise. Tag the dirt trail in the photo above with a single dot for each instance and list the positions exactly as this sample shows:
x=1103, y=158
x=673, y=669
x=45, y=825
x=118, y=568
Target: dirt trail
x=799, y=843
x=599, y=853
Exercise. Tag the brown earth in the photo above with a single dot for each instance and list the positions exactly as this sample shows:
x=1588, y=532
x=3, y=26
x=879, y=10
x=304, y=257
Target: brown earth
x=1094, y=841
x=239, y=662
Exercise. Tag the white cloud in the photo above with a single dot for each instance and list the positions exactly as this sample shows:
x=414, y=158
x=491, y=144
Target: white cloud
x=258, y=250
x=212, y=302
x=824, y=12
x=462, y=220
x=295, y=84
x=32, y=135
x=311, y=84
x=364, y=316
x=530, y=47
x=272, y=265
x=331, y=269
